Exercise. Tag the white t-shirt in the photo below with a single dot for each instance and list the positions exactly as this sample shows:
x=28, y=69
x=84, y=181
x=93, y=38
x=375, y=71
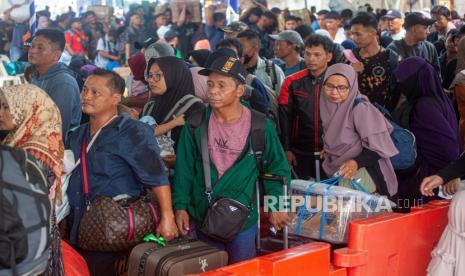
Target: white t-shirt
x=399, y=35
x=340, y=36
x=106, y=46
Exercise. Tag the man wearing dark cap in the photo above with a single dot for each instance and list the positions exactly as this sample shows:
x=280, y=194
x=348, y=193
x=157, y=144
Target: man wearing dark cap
x=227, y=125
x=233, y=29
x=414, y=43
x=287, y=47
x=394, y=21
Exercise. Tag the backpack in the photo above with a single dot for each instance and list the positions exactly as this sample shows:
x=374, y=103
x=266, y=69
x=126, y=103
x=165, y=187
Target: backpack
x=257, y=132
x=271, y=95
x=165, y=143
x=25, y=214
x=403, y=140
x=271, y=71
x=256, y=96
x=181, y=106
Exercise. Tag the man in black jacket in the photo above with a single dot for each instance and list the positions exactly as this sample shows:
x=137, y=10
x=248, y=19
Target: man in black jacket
x=301, y=130
x=414, y=43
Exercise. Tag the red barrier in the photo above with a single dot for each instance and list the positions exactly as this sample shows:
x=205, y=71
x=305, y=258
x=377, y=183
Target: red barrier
x=308, y=259
x=393, y=244
x=390, y=244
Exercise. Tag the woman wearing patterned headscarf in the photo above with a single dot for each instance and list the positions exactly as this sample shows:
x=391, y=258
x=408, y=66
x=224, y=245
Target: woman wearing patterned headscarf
x=37, y=128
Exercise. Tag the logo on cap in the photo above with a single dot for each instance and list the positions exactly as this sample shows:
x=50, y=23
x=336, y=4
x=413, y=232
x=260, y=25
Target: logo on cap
x=228, y=65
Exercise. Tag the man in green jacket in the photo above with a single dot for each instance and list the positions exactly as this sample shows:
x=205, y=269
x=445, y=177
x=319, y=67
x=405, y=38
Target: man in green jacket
x=234, y=168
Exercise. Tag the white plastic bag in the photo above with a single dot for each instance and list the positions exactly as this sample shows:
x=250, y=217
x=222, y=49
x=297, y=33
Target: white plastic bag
x=20, y=14
x=69, y=164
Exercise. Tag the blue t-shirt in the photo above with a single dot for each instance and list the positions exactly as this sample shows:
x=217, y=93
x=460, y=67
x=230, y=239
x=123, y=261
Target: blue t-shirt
x=124, y=159
x=291, y=70
x=294, y=69
x=214, y=35
x=19, y=31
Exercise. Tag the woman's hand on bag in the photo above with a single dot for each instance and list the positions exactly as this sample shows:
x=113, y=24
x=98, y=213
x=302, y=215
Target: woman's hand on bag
x=429, y=184
x=279, y=219
x=451, y=187
x=179, y=121
x=349, y=169
x=322, y=154
x=182, y=220
x=167, y=229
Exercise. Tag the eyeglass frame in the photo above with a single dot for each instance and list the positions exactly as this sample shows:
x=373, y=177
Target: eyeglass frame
x=339, y=89
x=151, y=76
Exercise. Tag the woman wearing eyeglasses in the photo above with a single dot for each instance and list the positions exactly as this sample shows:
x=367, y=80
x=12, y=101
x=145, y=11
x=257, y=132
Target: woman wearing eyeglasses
x=169, y=81
x=357, y=141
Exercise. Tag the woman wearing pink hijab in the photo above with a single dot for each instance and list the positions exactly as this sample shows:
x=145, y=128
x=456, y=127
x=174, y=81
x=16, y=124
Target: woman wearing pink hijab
x=357, y=141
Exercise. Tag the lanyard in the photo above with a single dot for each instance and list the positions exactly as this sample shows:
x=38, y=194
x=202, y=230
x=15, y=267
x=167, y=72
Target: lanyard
x=84, y=151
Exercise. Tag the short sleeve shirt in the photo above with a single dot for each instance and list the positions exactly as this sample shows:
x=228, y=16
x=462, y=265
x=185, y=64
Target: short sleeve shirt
x=227, y=141
x=374, y=80
x=74, y=40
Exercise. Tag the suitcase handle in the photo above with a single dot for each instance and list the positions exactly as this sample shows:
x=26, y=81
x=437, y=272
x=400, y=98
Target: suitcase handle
x=277, y=178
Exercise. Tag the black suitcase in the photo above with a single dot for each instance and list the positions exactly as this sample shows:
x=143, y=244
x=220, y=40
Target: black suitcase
x=180, y=258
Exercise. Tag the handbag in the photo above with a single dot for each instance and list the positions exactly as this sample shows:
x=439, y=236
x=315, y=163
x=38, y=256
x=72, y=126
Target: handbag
x=225, y=217
x=364, y=179
x=110, y=225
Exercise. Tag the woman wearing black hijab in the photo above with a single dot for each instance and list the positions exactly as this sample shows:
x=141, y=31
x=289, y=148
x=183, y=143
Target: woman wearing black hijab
x=169, y=81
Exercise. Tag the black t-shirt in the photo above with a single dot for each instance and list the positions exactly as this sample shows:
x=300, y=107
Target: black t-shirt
x=186, y=34
x=374, y=80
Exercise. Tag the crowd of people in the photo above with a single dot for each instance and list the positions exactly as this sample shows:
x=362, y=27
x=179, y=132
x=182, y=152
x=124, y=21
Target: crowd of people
x=314, y=93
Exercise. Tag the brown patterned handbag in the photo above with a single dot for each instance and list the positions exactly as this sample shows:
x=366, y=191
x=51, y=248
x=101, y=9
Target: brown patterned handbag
x=108, y=225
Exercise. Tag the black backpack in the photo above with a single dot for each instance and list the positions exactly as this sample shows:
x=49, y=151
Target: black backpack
x=25, y=214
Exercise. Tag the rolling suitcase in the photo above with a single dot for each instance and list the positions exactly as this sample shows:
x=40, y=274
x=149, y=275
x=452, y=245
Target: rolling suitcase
x=277, y=241
x=180, y=258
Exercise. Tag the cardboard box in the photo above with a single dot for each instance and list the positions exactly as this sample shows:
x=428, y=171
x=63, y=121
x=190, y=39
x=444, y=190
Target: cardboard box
x=193, y=6
x=103, y=13
x=342, y=206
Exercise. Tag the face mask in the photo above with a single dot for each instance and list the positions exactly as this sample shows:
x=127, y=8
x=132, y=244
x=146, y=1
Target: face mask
x=247, y=59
